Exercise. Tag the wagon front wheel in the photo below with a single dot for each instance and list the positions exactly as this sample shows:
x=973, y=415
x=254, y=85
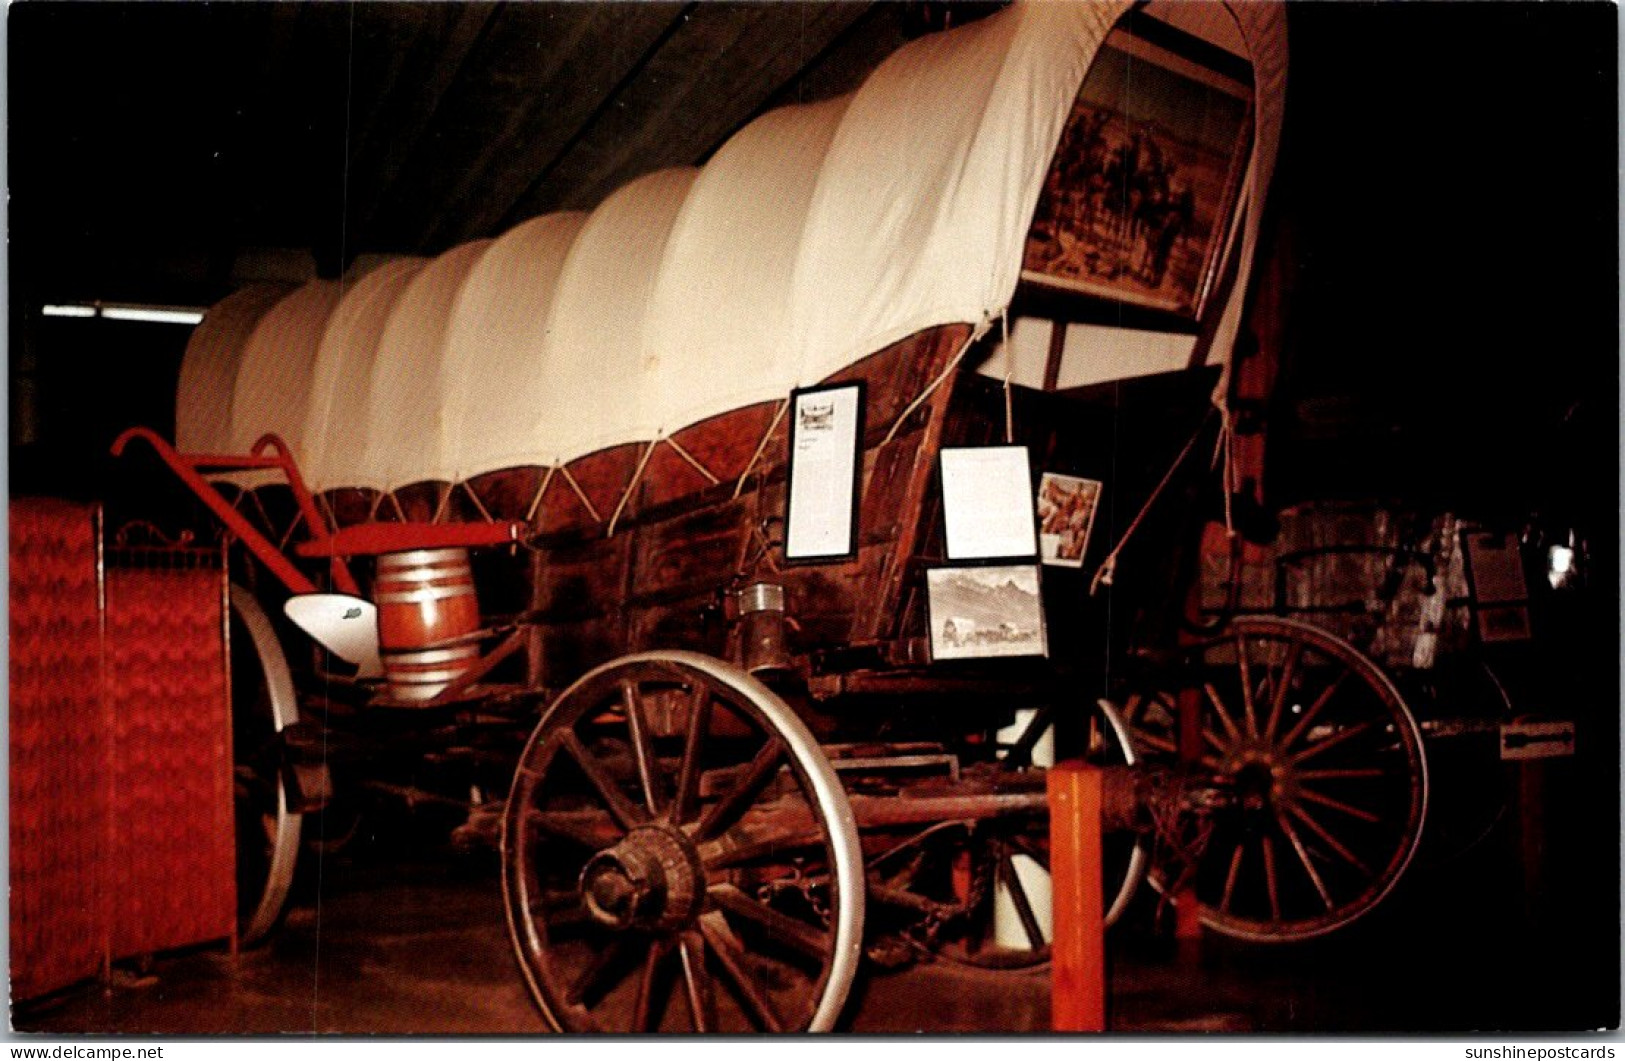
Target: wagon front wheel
x=678, y=855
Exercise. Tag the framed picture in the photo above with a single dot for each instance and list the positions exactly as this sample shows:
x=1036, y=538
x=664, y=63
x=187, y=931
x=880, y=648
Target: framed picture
x=1066, y=513
x=1138, y=200
x=987, y=502
x=825, y=465
x=985, y=612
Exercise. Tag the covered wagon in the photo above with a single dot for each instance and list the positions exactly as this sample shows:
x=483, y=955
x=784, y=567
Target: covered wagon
x=783, y=410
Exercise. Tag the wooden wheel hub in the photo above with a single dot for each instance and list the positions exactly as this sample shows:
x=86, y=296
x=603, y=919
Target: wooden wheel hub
x=652, y=879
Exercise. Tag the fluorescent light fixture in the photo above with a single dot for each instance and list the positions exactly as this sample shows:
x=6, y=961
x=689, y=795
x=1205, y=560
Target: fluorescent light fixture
x=115, y=311
x=153, y=314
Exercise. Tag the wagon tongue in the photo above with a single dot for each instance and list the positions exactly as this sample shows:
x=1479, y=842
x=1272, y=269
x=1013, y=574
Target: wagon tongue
x=346, y=626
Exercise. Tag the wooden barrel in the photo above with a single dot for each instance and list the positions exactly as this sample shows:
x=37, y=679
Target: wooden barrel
x=422, y=674
x=426, y=606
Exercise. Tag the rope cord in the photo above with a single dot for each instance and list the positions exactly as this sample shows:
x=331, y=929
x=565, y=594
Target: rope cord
x=327, y=506
x=686, y=455
x=761, y=447
x=536, y=502
x=1009, y=368
x=1223, y=451
x=580, y=493
x=265, y=517
x=287, y=535
x=953, y=363
x=1103, y=577
x=626, y=495
x=472, y=496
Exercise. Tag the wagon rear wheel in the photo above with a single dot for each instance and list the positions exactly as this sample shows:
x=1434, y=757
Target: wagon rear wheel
x=268, y=828
x=678, y=855
x=1319, y=762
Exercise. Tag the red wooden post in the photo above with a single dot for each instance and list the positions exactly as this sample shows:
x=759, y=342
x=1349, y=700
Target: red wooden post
x=1078, y=947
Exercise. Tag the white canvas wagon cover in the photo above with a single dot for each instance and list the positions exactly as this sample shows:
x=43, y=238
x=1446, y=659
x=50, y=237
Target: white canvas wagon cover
x=815, y=236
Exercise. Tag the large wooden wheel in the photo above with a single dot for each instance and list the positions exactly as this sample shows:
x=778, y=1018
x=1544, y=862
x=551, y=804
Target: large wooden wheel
x=268, y=828
x=678, y=855
x=1321, y=779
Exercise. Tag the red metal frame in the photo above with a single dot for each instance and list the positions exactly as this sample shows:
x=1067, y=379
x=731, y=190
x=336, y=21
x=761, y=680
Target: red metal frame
x=366, y=539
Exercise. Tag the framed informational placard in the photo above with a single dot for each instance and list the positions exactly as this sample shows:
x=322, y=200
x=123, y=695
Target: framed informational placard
x=985, y=611
x=987, y=503
x=1066, y=512
x=826, y=462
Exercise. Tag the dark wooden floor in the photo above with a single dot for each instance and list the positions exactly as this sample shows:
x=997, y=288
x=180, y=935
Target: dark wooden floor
x=414, y=943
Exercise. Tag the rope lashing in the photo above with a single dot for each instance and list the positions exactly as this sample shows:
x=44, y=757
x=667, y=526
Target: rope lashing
x=536, y=502
x=474, y=497
x=686, y=455
x=287, y=535
x=1009, y=359
x=626, y=495
x=580, y=493
x=953, y=363
x=1103, y=576
x=445, y=499
x=761, y=447
x=327, y=510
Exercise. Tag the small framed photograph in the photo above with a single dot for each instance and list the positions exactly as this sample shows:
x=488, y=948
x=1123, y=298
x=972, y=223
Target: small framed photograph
x=987, y=503
x=825, y=469
x=1066, y=513
x=985, y=612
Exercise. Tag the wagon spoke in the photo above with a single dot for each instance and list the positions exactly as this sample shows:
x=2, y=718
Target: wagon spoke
x=626, y=814
x=1271, y=878
x=1230, y=879
x=702, y=1003
x=688, y=774
x=1303, y=856
x=603, y=972
x=1348, y=774
x=720, y=857
x=586, y=829
x=1308, y=718
x=1249, y=710
x=1327, y=743
x=645, y=1014
x=1304, y=792
x=1288, y=666
x=1018, y=897
x=735, y=803
x=729, y=957
x=562, y=910
x=1327, y=838
x=637, y=723
x=782, y=927
x=1218, y=708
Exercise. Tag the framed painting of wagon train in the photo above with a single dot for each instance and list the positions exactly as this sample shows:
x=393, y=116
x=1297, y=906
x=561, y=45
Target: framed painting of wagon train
x=1137, y=201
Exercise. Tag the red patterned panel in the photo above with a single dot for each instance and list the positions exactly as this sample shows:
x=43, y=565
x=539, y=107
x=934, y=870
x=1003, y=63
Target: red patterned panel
x=58, y=819
x=171, y=874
